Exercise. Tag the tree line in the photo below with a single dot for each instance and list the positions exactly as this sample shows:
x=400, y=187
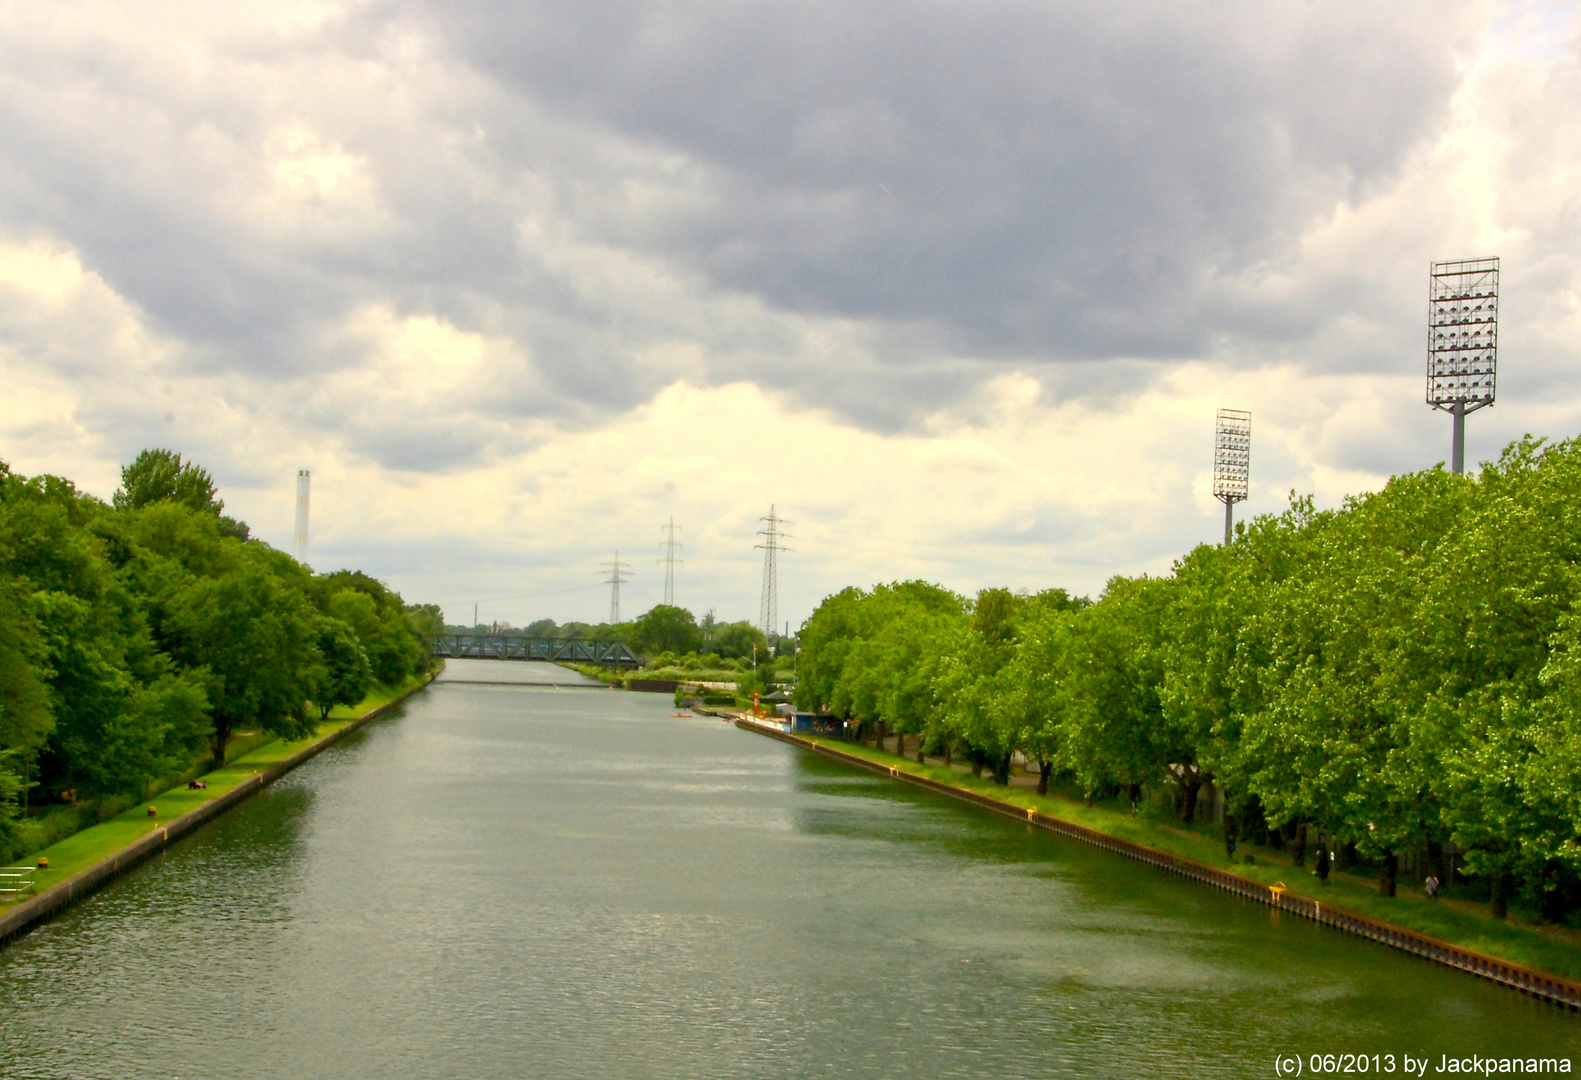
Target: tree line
x=138, y=637
x=1396, y=675
x=663, y=628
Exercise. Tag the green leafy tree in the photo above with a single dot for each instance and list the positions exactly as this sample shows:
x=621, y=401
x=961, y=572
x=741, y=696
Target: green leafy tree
x=395, y=647
x=156, y=476
x=123, y=714
x=738, y=639
x=665, y=628
x=972, y=682
x=344, y=675
x=255, y=641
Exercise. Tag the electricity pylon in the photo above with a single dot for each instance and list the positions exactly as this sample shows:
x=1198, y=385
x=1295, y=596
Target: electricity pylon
x=617, y=574
x=670, y=545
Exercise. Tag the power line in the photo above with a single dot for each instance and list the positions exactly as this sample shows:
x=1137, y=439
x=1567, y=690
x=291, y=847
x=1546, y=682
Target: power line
x=670, y=544
x=768, y=612
x=518, y=596
x=617, y=574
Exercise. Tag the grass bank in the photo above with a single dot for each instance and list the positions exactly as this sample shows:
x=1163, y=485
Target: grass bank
x=1545, y=948
x=89, y=846
x=671, y=674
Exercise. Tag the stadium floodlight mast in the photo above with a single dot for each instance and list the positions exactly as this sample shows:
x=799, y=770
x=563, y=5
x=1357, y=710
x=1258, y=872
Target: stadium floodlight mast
x=1462, y=343
x=1232, y=462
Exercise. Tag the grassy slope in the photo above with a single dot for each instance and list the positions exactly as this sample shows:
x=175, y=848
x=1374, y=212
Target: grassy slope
x=1465, y=924
x=83, y=849
x=675, y=674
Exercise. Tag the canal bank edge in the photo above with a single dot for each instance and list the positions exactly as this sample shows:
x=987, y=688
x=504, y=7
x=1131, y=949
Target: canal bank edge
x=1538, y=984
x=60, y=896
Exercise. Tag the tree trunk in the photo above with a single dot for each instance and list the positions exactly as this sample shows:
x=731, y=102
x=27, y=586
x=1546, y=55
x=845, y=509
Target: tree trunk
x=1002, y=770
x=1499, y=902
x=878, y=737
x=1298, y=846
x=1550, y=894
x=948, y=757
x=1189, y=812
x=222, y=736
x=1133, y=795
x=1348, y=856
x=1435, y=862
x=1388, y=870
x=1045, y=770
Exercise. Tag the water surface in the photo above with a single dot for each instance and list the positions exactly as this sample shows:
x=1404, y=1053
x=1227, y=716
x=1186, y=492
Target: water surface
x=502, y=881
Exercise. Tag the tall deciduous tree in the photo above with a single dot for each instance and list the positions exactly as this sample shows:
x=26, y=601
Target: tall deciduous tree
x=344, y=675
x=255, y=642
x=666, y=628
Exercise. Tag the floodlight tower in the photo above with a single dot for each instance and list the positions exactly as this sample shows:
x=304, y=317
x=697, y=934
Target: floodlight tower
x=304, y=478
x=1232, y=462
x=768, y=613
x=670, y=545
x=1462, y=343
x=617, y=574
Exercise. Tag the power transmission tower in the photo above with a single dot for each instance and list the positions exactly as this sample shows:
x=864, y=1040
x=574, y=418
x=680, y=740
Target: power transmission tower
x=768, y=612
x=617, y=574
x=670, y=544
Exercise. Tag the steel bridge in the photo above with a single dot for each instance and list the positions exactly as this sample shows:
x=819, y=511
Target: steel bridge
x=505, y=646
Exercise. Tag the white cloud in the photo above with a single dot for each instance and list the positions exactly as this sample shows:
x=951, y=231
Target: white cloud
x=518, y=285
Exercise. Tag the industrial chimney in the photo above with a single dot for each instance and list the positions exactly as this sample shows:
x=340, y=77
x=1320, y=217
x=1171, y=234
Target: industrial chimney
x=303, y=479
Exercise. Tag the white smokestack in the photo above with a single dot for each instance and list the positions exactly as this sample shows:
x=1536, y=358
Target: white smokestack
x=303, y=479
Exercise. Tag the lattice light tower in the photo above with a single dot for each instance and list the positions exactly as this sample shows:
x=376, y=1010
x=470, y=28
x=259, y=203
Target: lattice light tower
x=304, y=479
x=768, y=612
x=617, y=573
x=1232, y=462
x=670, y=545
x=1462, y=343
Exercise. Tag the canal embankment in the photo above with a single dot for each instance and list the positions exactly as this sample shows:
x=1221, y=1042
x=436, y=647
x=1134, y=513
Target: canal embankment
x=1542, y=964
x=87, y=860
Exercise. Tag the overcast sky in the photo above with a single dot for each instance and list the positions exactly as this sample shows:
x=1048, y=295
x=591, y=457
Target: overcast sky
x=956, y=286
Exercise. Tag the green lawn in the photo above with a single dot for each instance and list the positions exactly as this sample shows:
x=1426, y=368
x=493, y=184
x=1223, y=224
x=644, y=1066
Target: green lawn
x=1546, y=948
x=81, y=850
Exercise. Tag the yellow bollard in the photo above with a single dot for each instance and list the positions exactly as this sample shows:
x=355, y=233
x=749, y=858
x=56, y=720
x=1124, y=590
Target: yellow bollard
x=1031, y=813
x=1278, y=891
x=152, y=811
x=43, y=862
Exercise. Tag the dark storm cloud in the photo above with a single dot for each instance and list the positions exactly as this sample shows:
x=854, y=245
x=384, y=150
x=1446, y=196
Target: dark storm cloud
x=947, y=186
x=1066, y=180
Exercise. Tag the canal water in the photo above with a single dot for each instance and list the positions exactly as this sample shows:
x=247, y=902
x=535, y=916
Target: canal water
x=519, y=881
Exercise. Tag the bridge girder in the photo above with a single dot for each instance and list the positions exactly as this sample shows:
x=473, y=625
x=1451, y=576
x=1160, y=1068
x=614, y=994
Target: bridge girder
x=520, y=647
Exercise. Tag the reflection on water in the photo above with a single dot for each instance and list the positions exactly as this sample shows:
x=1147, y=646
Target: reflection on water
x=503, y=882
